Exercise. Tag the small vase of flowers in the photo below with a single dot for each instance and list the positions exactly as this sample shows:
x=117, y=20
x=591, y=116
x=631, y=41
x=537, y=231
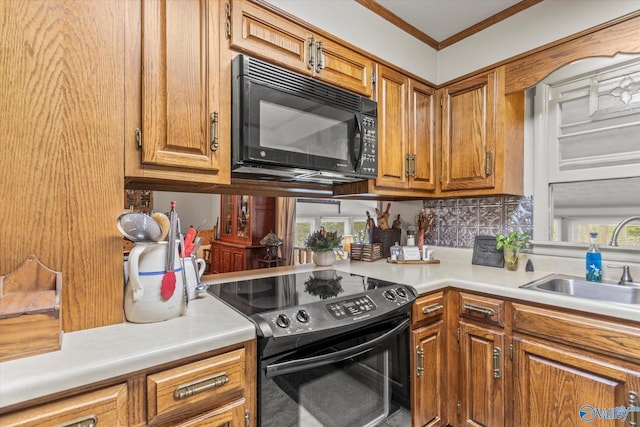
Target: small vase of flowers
x=322, y=243
x=511, y=245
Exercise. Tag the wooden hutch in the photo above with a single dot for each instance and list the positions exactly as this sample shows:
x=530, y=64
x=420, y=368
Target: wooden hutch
x=245, y=220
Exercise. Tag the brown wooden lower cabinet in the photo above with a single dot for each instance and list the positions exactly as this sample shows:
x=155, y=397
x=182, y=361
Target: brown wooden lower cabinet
x=214, y=389
x=428, y=361
x=564, y=387
x=482, y=376
x=103, y=407
x=510, y=363
x=230, y=257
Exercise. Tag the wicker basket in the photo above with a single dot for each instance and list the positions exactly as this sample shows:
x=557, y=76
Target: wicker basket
x=366, y=251
x=387, y=237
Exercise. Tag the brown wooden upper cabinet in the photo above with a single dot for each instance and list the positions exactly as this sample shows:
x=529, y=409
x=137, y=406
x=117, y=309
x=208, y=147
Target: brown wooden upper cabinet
x=258, y=32
x=406, y=142
x=482, y=136
x=176, y=130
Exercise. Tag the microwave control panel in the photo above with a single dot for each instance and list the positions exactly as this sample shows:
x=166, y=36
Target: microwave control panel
x=369, y=161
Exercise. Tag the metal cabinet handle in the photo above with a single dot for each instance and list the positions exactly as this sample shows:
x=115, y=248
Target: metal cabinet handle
x=227, y=21
x=90, y=421
x=419, y=361
x=487, y=312
x=489, y=166
x=407, y=165
x=196, y=387
x=311, y=53
x=633, y=402
x=319, y=57
x=213, y=131
x=496, y=362
x=412, y=159
x=432, y=308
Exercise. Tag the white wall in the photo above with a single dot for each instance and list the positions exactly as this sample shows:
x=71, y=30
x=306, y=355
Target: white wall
x=543, y=23
x=538, y=25
x=192, y=208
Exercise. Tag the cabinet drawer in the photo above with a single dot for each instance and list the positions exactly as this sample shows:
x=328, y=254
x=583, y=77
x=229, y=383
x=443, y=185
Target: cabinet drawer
x=211, y=382
x=602, y=336
x=101, y=408
x=489, y=310
x=428, y=307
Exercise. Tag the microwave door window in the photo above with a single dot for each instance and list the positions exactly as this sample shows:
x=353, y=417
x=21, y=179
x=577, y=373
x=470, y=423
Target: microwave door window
x=312, y=133
x=295, y=131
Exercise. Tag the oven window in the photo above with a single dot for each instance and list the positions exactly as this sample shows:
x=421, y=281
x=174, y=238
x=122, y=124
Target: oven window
x=371, y=388
x=349, y=393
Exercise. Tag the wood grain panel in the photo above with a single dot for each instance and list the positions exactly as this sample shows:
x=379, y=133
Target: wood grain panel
x=61, y=115
x=483, y=394
x=392, y=100
x=179, y=83
x=469, y=132
x=427, y=389
x=597, y=335
x=161, y=386
x=552, y=385
x=268, y=36
x=533, y=66
x=427, y=308
x=346, y=68
x=422, y=139
x=107, y=406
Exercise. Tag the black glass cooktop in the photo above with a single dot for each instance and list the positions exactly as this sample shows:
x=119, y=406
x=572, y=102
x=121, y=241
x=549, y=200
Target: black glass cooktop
x=277, y=292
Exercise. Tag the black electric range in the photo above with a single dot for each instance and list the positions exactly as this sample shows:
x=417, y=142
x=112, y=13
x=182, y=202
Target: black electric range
x=292, y=310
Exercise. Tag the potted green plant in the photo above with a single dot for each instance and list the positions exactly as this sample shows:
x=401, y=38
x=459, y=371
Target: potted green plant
x=322, y=243
x=511, y=245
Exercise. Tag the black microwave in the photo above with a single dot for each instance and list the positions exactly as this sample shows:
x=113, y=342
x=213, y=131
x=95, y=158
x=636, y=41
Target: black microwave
x=287, y=126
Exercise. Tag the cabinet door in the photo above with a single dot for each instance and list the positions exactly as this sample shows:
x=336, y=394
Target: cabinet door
x=268, y=36
x=216, y=258
x=180, y=51
x=344, y=67
x=184, y=390
x=392, y=89
x=428, y=363
x=558, y=387
x=482, y=379
x=239, y=260
x=422, y=136
x=469, y=133
x=226, y=256
x=106, y=407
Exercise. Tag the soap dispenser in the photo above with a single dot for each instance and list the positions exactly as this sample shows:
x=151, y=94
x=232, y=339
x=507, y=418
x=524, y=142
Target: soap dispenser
x=594, y=259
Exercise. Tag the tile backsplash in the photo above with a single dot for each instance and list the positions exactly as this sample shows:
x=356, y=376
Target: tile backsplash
x=458, y=221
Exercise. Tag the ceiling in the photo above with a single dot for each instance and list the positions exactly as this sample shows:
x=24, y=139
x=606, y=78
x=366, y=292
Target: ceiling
x=441, y=23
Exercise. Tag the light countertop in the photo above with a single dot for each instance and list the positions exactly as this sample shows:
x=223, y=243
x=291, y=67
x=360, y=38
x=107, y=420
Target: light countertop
x=98, y=354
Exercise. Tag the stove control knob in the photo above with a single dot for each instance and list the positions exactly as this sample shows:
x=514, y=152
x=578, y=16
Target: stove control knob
x=389, y=295
x=283, y=321
x=401, y=292
x=302, y=316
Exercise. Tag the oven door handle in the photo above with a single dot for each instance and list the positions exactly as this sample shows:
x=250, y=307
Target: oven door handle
x=325, y=359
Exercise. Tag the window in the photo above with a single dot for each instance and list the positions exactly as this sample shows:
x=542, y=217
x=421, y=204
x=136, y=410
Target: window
x=587, y=151
x=347, y=217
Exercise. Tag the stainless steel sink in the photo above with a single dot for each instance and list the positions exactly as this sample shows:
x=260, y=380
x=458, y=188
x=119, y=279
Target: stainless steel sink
x=579, y=287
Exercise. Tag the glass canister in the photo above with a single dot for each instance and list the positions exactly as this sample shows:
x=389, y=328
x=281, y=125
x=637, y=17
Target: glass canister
x=411, y=237
x=395, y=251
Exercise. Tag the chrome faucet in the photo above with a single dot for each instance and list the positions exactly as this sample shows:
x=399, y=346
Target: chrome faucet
x=616, y=231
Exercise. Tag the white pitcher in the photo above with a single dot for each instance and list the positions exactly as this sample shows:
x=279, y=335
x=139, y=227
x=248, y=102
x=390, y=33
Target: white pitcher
x=142, y=300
